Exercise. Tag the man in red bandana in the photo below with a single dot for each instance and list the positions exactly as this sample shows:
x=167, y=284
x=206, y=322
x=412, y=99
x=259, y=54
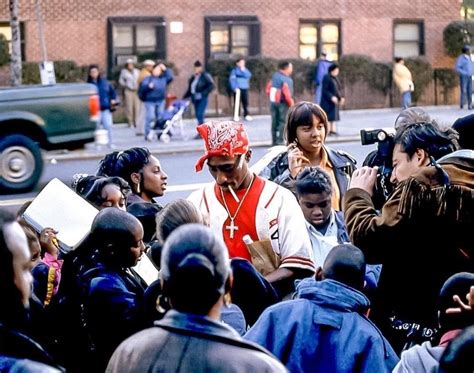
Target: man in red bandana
x=241, y=204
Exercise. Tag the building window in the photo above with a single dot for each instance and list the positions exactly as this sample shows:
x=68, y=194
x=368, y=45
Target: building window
x=228, y=37
x=317, y=36
x=6, y=31
x=139, y=38
x=408, y=39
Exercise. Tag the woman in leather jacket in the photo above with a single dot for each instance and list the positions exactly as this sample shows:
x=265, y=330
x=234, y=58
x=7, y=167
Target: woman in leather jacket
x=305, y=133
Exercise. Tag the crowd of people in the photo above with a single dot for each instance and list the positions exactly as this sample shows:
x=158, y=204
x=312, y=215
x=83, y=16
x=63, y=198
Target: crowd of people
x=293, y=268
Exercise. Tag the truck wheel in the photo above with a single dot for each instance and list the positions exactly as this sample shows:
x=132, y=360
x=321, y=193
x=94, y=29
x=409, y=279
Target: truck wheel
x=21, y=164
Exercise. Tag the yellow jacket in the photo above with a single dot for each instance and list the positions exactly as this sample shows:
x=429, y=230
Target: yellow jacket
x=402, y=78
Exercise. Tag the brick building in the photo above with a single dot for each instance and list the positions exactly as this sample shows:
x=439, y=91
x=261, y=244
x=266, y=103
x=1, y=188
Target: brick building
x=109, y=31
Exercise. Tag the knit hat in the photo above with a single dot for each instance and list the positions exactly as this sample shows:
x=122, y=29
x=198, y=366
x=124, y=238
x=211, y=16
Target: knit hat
x=222, y=139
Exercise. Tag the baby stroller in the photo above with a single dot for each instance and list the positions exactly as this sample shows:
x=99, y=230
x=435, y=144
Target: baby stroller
x=170, y=122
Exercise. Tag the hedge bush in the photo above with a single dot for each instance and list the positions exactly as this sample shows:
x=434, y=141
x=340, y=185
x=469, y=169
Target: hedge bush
x=65, y=71
x=356, y=68
x=456, y=35
x=4, y=52
x=422, y=74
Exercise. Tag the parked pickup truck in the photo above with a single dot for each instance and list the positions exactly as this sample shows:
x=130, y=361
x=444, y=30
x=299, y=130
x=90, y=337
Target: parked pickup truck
x=61, y=116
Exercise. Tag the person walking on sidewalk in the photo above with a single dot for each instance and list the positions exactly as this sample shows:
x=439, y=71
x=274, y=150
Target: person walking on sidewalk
x=332, y=97
x=107, y=99
x=200, y=84
x=147, y=68
x=153, y=93
x=129, y=82
x=404, y=81
x=239, y=79
x=280, y=92
x=322, y=68
x=465, y=69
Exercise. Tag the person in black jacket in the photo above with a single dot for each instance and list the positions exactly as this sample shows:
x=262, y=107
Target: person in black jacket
x=199, y=86
x=305, y=133
x=332, y=98
x=17, y=351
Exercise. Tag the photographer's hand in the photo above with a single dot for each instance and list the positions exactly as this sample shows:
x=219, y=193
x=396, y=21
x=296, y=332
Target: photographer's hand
x=364, y=178
x=296, y=160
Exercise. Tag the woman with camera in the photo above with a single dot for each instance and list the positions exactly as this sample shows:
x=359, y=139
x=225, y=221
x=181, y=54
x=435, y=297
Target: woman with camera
x=305, y=132
x=107, y=98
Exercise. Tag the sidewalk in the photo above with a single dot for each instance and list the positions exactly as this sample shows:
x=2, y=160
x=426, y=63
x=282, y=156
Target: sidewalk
x=352, y=121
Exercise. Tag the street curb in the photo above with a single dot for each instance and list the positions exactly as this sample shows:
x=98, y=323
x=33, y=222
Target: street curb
x=178, y=149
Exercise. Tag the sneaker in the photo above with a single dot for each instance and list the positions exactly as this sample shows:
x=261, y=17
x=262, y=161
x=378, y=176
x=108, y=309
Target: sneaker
x=248, y=118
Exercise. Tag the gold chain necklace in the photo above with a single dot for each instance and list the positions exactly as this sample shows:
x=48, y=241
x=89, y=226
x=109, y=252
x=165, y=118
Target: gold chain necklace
x=232, y=227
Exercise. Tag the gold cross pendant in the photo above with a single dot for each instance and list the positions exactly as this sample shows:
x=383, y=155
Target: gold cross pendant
x=231, y=228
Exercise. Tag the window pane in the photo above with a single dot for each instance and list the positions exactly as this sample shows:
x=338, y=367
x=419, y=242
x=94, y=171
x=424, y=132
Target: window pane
x=407, y=32
x=219, y=35
x=240, y=36
x=406, y=49
x=7, y=32
x=219, y=48
x=146, y=36
x=308, y=34
x=308, y=52
x=244, y=51
x=330, y=33
x=123, y=36
x=331, y=51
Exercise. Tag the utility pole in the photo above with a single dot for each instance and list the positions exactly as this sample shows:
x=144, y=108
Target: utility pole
x=15, y=65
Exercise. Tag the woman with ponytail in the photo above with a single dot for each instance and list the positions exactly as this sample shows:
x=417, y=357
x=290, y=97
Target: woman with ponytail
x=146, y=178
x=196, y=276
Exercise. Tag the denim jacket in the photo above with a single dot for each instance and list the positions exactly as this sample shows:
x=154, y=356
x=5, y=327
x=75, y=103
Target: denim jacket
x=325, y=330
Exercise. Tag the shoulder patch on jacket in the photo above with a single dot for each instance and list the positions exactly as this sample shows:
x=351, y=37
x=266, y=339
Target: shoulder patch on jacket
x=347, y=155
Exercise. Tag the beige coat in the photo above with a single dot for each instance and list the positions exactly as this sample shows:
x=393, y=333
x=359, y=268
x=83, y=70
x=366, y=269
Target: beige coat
x=402, y=78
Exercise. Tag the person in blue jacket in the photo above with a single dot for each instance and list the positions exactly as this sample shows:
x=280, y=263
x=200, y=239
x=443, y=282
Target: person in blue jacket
x=152, y=92
x=240, y=79
x=465, y=69
x=321, y=70
x=326, y=328
x=107, y=99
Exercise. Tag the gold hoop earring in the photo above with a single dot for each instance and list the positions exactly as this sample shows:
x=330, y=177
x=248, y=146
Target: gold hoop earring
x=138, y=188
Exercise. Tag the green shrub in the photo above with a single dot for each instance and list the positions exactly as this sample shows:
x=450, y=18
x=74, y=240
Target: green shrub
x=262, y=70
x=303, y=75
x=65, y=71
x=220, y=70
x=446, y=78
x=422, y=74
x=4, y=52
x=456, y=35
x=360, y=68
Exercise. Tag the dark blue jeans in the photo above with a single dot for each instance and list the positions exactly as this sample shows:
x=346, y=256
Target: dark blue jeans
x=466, y=90
x=200, y=108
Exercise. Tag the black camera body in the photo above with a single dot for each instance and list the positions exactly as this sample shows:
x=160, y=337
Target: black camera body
x=382, y=158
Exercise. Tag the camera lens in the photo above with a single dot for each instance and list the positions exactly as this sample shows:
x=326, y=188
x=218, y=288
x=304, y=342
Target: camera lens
x=381, y=136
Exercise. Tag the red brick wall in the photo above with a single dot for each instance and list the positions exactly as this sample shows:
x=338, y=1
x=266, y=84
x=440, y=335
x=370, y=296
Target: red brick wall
x=77, y=29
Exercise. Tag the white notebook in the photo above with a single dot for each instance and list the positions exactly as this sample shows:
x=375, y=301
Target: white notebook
x=57, y=206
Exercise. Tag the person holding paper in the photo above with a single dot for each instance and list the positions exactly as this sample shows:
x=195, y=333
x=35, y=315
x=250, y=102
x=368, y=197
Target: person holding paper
x=241, y=203
x=18, y=352
x=239, y=79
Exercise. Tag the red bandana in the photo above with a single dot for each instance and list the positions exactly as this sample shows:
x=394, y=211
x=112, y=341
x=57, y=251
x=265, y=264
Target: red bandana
x=222, y=139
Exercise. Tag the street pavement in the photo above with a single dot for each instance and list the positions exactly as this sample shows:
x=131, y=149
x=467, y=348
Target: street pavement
x=259, y=131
